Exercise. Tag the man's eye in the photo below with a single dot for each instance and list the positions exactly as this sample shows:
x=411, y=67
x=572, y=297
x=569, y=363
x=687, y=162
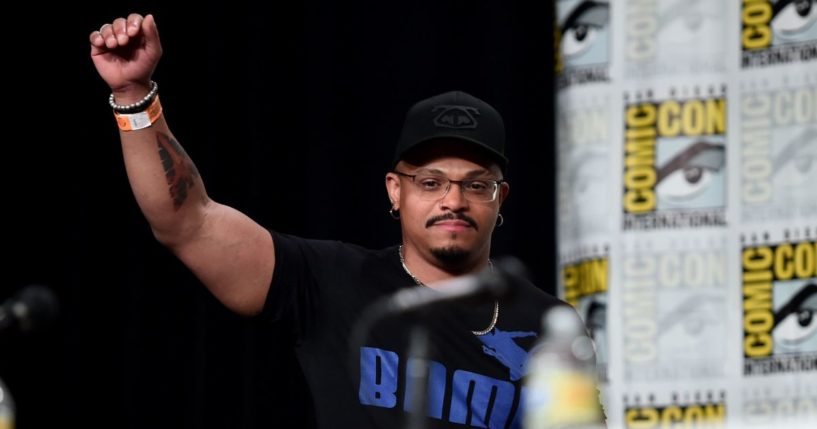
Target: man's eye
x=430, y=184
x=478, y=186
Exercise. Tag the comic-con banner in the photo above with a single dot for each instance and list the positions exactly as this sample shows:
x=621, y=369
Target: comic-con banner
x=777, y=32
x=663, y=38
x=778, y=148
x=584, y=187
x=786, y=401
x=583, y=284
x=582, y=36
x=779, y=291
x=660, y=409
x=673, y=297
x=674, y=145
x=687, y=205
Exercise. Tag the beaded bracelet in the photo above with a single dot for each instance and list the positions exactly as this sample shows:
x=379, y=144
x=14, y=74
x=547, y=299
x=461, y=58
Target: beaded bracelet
x=139, y=106
x=139, y=120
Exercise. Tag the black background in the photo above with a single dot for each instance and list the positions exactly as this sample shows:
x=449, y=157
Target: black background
x=291, y=112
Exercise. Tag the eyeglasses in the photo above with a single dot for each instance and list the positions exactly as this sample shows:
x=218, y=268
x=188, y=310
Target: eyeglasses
x=433, y=187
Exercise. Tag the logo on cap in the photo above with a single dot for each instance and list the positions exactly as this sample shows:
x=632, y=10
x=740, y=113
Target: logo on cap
x=455, y=116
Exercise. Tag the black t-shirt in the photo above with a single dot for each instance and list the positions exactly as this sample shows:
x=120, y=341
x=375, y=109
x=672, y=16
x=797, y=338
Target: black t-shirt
x=320, y=288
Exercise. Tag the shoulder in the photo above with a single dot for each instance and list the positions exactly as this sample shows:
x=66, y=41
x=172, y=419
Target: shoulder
x=325, y=251
x=529, y=292
x=528, y=303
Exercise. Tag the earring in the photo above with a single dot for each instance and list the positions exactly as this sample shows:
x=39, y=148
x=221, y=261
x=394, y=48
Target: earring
x=499, y=220
x=394, y=213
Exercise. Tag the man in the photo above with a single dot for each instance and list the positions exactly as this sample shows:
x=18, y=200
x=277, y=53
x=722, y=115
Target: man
x=446, y=188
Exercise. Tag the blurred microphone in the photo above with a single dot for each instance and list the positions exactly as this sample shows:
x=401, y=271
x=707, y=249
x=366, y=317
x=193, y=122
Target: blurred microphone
x=31, y=309
x=492, y=282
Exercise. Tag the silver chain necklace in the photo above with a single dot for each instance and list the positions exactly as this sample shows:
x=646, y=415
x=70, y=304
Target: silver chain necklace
x=417, y=281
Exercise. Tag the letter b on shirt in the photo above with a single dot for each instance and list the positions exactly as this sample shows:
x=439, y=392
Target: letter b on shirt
x=378, y=377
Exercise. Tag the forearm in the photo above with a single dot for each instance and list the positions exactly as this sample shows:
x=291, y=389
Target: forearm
x=165, y=182
x=230, y=253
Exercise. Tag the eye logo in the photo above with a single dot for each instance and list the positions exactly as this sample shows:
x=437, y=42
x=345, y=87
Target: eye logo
x=595, y=319
x=688, y=21
x=459, y=117
x=795, y=321
x=688, y=173
x=794, y=163
x=778, y=32
x=580, y=29
x=793, y=17
x=581, y=42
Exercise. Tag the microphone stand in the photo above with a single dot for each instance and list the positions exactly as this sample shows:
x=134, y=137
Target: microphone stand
x=497, y=281
x=418, y=360
x=419, y=355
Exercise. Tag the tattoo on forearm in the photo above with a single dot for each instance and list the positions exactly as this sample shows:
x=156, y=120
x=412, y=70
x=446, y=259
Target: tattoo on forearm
x=180, y=171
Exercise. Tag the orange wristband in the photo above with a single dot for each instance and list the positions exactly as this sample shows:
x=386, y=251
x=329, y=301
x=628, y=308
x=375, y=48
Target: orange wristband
x=141, y=120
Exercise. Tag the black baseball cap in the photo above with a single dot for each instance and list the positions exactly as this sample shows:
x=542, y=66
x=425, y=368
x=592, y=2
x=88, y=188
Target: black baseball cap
x=454, y=115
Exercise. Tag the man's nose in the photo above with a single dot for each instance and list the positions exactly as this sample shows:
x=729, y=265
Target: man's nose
x=454, y=198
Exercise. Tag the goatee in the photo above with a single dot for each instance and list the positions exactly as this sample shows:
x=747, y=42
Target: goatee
x=451, y=256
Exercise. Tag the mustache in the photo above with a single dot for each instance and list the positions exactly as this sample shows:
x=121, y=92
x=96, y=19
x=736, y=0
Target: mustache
x=452, y=216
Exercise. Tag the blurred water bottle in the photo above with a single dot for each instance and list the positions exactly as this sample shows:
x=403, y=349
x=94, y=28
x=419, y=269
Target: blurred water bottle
x=561, y=378
x=6, y=408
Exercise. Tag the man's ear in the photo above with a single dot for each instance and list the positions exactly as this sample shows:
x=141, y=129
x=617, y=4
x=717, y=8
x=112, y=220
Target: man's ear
x=504, y=190
x=393, y=189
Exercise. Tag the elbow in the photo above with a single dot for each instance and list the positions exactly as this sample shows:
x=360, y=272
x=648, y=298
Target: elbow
x=183, y=228
x=166, y=237
x=246, y=308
